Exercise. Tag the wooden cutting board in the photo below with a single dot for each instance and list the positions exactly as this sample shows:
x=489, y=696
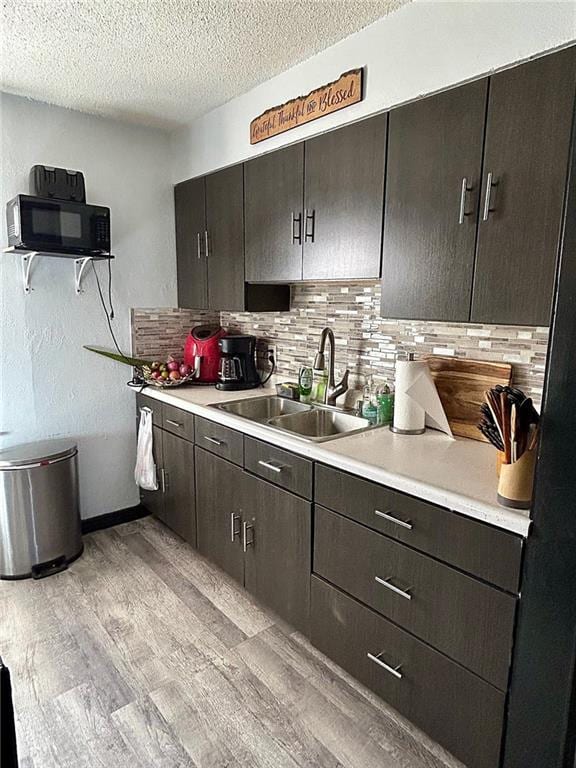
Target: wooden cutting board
x=461, y=384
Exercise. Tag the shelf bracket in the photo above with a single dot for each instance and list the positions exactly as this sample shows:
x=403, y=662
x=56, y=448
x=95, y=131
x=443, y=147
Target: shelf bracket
x=79, y=269
x=27, y=261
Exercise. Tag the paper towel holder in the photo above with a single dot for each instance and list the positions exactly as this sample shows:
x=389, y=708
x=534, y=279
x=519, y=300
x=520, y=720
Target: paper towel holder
x=409, y=357
x=398, y=431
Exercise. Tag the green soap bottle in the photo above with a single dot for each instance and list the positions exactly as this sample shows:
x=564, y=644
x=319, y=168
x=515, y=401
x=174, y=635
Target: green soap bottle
x=319, y=385
x=385, y=399
x=305, y=380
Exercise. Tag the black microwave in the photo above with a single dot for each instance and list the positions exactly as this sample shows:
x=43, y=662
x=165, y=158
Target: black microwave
x=45, y=224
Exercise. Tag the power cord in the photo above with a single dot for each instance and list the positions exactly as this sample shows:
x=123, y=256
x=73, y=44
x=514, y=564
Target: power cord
x=272, y=362
x=108, y=312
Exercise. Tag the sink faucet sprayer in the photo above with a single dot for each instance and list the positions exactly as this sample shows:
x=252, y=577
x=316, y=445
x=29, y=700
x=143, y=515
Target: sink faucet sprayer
x=333, y=390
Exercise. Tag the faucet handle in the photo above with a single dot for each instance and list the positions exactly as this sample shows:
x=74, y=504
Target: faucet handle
x=344, y=380
x=339, y=389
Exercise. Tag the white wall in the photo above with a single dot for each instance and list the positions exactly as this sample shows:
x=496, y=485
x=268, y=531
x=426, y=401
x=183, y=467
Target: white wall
x=421, y=48
x=49, y=385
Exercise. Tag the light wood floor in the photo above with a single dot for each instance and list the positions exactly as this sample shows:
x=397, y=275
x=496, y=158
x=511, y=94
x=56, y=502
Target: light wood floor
x=144, y=654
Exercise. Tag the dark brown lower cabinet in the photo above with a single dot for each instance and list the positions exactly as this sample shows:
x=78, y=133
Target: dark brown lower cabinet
x=174, y=503
x=179, y=490
x=258, y=533
x=452, y=705
x=220, y=511
x=464, y=618
x=277, y=540
x=154, y=500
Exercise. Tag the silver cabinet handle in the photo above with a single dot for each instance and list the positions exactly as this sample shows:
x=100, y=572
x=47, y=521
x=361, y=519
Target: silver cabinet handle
x=392, y=670
x=489, y=184
x=146, y=409
x=296, y=237
x=198, y=246
x=174, y=423
x=163, y=479
x=245, y=543
x=310, y=217
x=462, y=213
x=388, y=584
x=233, y=530
x=206, y=243
x=274, y=467
x=387, y=516
x=213, y=440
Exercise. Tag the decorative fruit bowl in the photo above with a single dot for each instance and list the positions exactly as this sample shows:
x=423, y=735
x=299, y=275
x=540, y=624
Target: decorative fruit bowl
x=165, y=383
x=172, y=373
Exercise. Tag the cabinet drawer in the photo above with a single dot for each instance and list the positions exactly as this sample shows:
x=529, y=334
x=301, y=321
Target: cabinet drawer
x=475, y=547
x=468, y=620
x=278, y=466
x=143, y=401
x=178, y=422
x=220, y=440
x=456, y=708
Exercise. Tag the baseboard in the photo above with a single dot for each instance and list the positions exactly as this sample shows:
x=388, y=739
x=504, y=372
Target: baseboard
x=114, y=518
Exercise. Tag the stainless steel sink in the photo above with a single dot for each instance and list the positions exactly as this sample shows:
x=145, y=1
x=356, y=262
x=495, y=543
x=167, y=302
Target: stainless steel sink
x=262, y=409
x=321, y=424
x=312, y=422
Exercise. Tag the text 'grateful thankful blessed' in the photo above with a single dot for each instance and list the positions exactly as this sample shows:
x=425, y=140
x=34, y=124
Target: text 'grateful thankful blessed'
x=329, y=98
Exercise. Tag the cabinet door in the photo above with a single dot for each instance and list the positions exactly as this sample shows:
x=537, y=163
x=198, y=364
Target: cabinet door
x=278, y=550
x=225, y=240
x=343, y=197
x=219, y=505
x=190, y=213
x=526, y=157
x=154, y=500
x=179, y=496
x=432, y=191
x=273, y=215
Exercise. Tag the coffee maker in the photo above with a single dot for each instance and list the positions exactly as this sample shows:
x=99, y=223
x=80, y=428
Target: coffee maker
x=238, y=363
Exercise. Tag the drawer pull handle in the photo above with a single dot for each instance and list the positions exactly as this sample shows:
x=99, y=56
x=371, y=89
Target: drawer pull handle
x=213, y=440
x=146, y=409
x=274, y=467
x=392, y=670
x=245, y=543
x=388, y=584
x=387, y=516
x=174, y=423
x=233, y=530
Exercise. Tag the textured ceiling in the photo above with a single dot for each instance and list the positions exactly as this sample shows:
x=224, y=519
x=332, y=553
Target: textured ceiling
x=164, y=62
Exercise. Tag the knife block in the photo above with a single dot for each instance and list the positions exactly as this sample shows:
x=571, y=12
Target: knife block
x=516, y=482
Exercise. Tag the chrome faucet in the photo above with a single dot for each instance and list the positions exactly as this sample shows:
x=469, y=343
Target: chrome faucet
x=333, y=390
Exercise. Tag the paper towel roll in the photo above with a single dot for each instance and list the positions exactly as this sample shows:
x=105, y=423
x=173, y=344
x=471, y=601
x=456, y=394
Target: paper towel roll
x=409, y=416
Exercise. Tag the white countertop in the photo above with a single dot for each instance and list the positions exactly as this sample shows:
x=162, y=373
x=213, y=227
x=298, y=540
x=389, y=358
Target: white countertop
x=459, y=474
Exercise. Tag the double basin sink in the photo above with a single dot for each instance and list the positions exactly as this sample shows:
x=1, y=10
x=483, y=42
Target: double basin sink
x=314, y=422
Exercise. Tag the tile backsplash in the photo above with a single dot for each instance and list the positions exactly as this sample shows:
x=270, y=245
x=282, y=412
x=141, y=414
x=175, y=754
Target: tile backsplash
x=365, y=342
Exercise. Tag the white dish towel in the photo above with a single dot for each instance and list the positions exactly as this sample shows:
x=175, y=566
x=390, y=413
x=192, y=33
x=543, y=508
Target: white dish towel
x=145, y=469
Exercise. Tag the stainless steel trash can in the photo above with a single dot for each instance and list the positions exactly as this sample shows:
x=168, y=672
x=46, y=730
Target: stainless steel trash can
x=39, y=513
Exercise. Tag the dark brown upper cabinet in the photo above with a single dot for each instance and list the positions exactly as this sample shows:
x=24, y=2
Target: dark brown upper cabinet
x=432, y=193
x=314, y=210
x=224, y=240
x=273, y=216
x=343, y=201
x=192, y=273
x=210, y=247
x=525, y=163
x=456, y=248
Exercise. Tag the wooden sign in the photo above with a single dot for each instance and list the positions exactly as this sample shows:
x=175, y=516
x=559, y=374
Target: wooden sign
x=344, y=92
